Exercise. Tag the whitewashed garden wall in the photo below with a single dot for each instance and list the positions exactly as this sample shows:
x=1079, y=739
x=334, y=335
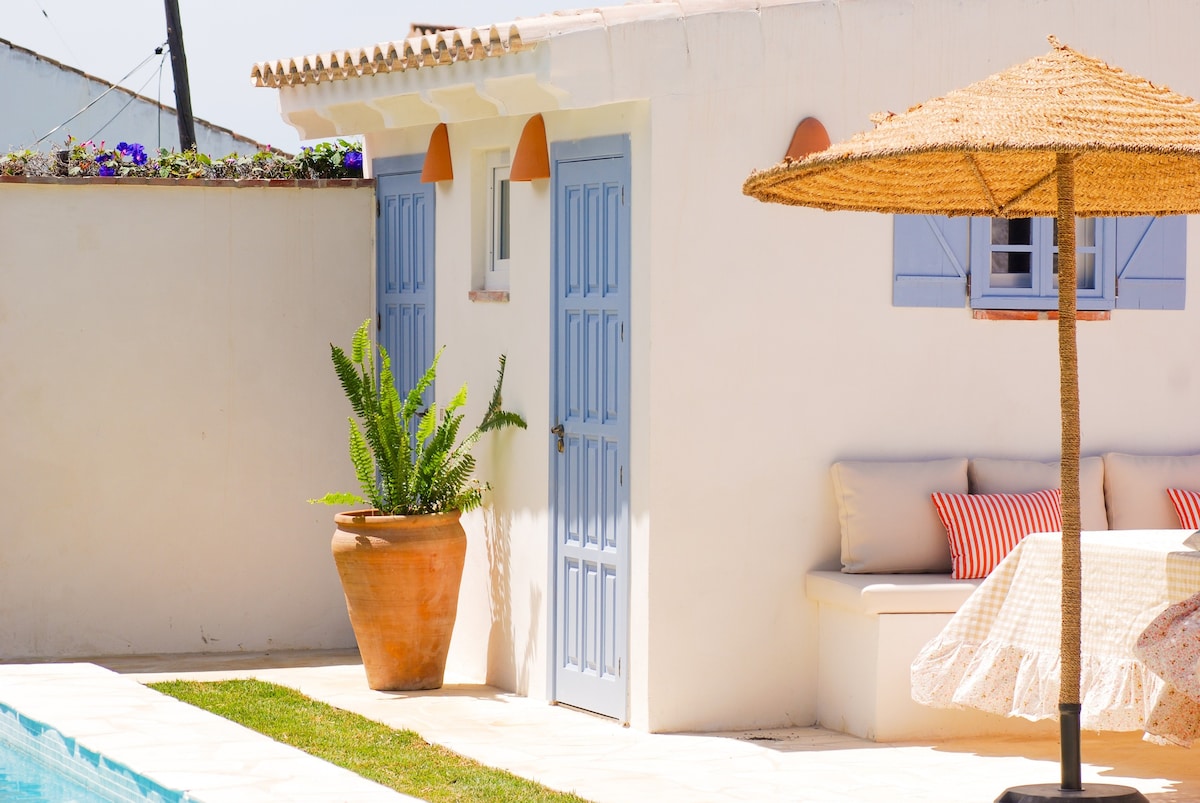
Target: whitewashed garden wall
x=167, y=405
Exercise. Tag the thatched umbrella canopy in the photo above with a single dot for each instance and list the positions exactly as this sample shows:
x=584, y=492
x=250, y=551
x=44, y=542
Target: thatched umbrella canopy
x=1060, y=135
x=992, y=149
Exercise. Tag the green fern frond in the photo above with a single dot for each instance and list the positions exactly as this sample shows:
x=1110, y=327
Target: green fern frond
x=501, y=419
x=352, y=383
x=364, y=467
x=494, y=403
x=495, y=417
x=469, y=497
x=459, y=400
x=339, y=499
x=413, y=402
x=361, y=344
x=458, y=475
x=405, y=463
x=443, y=440
x=427, y=424
x=436, y=447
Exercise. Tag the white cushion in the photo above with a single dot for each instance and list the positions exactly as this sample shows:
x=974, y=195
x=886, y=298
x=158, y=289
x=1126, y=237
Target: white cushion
x=887, y=518
x=897, y=593
x=992, y=475
x=1135, y=489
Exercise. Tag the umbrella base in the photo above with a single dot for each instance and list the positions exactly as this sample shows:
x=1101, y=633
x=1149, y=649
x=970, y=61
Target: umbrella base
x=1093, y=792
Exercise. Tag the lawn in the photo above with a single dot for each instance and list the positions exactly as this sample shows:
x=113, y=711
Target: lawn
x=399, y=759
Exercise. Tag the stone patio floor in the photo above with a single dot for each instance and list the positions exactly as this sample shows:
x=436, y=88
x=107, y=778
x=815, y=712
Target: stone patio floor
x=554, y=745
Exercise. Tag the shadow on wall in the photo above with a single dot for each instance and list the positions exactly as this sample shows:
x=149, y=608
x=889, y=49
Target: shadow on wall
x=504, y=670
x=535, y=612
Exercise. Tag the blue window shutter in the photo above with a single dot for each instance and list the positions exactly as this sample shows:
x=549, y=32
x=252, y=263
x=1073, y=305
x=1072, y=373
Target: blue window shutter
x=929, y=261
x=1151, y=255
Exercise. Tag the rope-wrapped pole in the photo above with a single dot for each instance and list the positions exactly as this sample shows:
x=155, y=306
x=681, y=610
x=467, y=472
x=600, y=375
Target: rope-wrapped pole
x=1068, y=360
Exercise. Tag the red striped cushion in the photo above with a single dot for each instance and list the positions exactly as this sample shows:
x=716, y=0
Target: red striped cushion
x=983, y=528
x=1187, y=507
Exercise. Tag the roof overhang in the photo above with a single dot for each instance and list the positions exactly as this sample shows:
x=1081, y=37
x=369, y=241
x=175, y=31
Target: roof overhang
x=472, y=90
x=470, y=73
x=447, y=76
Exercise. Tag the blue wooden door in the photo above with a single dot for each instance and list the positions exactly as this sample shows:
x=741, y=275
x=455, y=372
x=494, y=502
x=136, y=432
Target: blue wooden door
x=590, y=402
x=404, y=281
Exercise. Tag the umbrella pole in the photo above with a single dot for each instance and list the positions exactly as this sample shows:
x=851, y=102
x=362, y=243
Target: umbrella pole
x=1070, y=647
x=1068, y=361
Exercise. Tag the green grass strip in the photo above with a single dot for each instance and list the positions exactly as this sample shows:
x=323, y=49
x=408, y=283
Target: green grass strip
x=399, y=759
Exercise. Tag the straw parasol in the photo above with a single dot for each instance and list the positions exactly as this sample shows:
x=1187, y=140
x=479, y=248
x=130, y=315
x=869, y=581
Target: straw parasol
x=1060, y=135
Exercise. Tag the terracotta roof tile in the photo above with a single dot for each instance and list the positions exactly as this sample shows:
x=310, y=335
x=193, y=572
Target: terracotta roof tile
x=415, y=52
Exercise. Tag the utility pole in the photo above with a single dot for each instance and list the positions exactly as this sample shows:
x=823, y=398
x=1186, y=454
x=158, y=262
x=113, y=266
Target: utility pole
x=183, y=93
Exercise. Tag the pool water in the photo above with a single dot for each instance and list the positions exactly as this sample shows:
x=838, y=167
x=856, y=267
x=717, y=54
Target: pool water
x=40, y=765
x=23, y=780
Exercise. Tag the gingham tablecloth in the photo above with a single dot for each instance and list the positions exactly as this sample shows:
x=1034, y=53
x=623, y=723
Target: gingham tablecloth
x=999, y=653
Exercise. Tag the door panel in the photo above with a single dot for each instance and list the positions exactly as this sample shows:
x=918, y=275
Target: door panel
x=590, y=382
x=405, y=271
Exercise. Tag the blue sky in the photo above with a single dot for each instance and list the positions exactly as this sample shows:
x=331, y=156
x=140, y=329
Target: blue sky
x=224, y=38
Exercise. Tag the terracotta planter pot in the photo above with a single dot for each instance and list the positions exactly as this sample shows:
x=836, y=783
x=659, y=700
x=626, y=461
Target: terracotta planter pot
x=401, y=576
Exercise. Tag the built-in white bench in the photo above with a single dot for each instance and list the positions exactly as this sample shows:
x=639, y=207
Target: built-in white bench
x=890, y=601
x=871, y=628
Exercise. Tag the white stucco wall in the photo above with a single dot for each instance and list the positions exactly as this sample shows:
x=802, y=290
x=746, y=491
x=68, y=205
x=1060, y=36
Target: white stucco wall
x=766, y=346
x=780, y=334
x=167, y=405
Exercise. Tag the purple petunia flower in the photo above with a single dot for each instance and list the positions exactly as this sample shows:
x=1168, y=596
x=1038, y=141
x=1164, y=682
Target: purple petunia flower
x=133, y=151
x=107, y=170
x=353, y=160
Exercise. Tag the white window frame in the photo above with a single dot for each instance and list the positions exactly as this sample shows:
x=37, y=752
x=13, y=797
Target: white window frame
x=499, y=221
x=1043, y=295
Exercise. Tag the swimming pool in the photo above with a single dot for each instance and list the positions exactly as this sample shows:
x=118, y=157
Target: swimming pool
x=40, y=765
x=178, y=745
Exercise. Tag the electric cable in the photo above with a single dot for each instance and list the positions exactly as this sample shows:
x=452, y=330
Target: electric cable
x=57, y=32
x=161, y=62
x=121, y=110
x=95, y=100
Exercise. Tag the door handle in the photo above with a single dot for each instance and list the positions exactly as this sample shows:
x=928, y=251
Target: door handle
x=558, y=430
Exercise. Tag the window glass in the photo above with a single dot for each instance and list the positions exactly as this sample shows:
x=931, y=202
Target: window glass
x=499, y=222
x=1085, y=254
x=1012, y=253
x=1015, y=231
x=502, y=223
x=1014, y=263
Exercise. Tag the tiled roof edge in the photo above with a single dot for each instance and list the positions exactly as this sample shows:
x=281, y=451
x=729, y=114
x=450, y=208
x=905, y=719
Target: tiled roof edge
x=475, y=43
x=429, y=50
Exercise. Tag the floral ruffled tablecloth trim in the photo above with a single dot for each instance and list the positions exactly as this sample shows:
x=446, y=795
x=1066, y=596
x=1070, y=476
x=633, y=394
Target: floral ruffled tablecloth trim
x=1006, y=680
x=1170, y=648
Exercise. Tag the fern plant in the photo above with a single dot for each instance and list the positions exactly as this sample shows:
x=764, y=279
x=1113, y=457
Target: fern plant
x=401, y=474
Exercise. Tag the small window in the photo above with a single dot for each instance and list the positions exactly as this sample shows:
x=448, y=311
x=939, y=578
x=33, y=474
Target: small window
x=1014, y=263
x=1122, y=263
x=499, y=217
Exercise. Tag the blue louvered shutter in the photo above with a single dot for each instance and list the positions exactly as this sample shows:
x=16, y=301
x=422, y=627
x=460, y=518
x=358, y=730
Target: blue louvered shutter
x=929, y=261
x=1151, y=257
